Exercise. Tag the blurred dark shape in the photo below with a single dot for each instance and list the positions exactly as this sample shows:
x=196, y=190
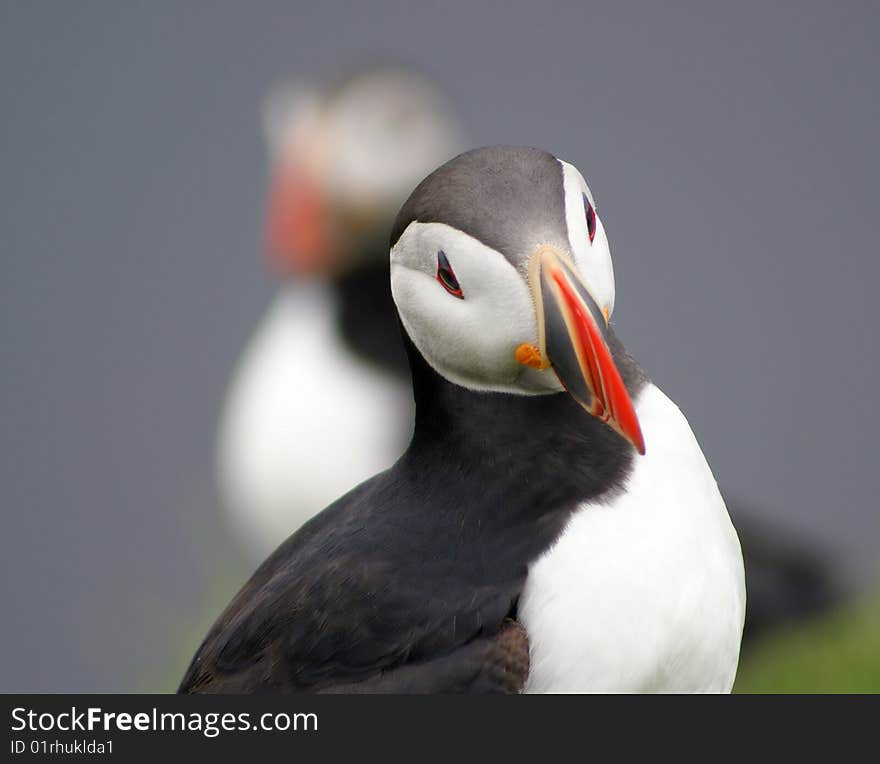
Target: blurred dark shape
x=788, y=579
x=368, y=322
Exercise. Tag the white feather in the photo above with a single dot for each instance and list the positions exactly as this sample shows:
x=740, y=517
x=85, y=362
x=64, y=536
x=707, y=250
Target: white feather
x=305, y=420
x=644, y=592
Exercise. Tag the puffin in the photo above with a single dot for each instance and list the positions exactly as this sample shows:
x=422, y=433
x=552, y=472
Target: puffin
x=325, y=374
x=553, y=525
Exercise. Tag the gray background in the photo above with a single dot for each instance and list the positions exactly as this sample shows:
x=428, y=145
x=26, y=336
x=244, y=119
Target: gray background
x=733, y=153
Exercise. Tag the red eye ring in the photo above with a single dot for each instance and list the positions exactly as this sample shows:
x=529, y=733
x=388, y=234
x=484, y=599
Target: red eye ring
x=446, y=276
x=591, y=218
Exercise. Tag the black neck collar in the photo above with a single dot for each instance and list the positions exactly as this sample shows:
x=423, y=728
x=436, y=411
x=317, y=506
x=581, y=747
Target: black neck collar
x=545, y=451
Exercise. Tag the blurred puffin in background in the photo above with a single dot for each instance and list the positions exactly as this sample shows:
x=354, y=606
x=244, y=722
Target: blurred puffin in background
x=320, y=398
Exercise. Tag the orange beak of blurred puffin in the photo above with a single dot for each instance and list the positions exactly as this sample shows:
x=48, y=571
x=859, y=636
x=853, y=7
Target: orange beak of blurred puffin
x=296, y=238
x=572, y=333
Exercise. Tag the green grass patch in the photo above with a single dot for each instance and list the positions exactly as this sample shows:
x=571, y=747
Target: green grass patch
x=839, y=652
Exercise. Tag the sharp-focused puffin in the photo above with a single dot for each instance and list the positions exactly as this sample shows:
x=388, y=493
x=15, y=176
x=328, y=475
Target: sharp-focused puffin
x=325, y=372
x=553, y=525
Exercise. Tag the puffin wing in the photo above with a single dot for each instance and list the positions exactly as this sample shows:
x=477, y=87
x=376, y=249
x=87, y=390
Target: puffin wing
x=316, y=652
x=336, y=610
x=493, y=665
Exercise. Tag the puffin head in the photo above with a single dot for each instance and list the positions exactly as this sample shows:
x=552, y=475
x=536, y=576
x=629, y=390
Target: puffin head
x=344, y=157
x=502, y=277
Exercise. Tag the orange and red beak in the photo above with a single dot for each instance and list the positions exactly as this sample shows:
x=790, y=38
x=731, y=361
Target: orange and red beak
x=572, y=333
x=297, y=241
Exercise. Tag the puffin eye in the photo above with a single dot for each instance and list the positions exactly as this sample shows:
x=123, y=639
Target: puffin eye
x=446, y=276
x=591, y=218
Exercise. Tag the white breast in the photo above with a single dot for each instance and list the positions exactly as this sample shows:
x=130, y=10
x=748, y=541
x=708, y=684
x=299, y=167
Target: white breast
x=305, y=421
x=644, y=592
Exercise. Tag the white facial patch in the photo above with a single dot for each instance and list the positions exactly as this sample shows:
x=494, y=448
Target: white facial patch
x=367, y=144
x=593, y=259
x=470, y=341
x=387, y=131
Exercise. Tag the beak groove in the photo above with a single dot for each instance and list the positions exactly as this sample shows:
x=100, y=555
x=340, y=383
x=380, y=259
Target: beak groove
x=572, y=332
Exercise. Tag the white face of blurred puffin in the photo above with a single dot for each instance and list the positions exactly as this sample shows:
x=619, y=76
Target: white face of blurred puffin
x=345, y=157
x=387, y=128
x=501, y=272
